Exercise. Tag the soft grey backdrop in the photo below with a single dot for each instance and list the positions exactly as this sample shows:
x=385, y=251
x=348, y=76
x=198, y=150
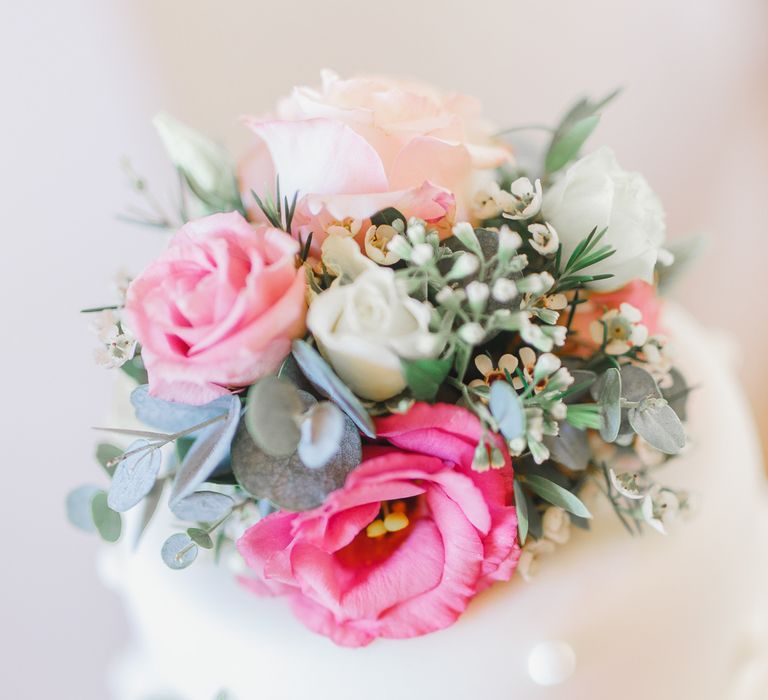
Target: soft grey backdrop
x=80, y=82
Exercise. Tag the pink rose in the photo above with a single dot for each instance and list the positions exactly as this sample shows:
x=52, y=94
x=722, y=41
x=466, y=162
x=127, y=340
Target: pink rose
x=403, y=547
x=218, y=308
x=388, y=143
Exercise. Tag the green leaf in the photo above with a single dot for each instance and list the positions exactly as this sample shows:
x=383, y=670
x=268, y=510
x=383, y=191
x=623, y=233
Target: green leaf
x=272, y=408
x=386, y=217
x=521, y=506
x=78, y=505
x=656, y=422
x=107, y=521
x=609, y=400
x=566, y=147
x=105, y=453
x=557, y=495
x=200, y=537
x=425, y=376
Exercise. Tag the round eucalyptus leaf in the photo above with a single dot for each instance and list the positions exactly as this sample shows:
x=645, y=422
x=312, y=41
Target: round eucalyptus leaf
x=179, y=551
x=570, y=448
x=321, y=434
x=656, y=422
x=203, y=507
x=507, y=408
x=325, y=380
x=108, y=522
x=271, y=415
x=79, y=507
x=286, y=481
x=677, y=394
x=134, y=476
x=637, y=384
x=609, y=400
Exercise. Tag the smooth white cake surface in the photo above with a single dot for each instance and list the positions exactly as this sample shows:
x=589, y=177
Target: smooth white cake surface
x=608, y=616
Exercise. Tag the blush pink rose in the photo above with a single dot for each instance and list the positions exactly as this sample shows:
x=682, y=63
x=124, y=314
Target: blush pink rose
x=387, y=143
x=218, y=309
x=640, y=294
x=352, y=586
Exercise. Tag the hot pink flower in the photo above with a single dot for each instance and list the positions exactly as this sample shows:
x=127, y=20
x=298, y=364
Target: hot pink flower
x=403, y=547
x=389, y=143
x=218, y=308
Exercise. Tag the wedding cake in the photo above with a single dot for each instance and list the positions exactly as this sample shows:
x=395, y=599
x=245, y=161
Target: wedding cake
x=681, y=616
x=410, y=418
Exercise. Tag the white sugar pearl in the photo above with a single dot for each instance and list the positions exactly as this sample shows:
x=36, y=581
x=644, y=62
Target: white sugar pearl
x=551, y=663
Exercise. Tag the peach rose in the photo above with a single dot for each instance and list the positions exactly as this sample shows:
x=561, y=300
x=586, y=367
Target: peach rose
x=388, y=143
x=218, y=309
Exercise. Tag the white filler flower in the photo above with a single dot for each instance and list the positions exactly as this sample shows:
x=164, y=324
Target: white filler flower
x=366, y=327
x=596, y=192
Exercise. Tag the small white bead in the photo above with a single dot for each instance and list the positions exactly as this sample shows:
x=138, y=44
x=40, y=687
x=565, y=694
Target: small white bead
x=551, y=663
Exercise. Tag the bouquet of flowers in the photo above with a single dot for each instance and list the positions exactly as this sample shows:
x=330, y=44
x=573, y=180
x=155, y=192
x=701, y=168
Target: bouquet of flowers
x=383, y=356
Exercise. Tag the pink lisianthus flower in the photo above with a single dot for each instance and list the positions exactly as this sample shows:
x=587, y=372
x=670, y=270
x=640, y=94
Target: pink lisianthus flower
x=403, y=547
x=218, y=309
x=637, y=293
x=388, y=143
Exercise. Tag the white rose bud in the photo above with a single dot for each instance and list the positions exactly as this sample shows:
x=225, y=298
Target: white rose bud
x=504, y=290
x=466, y=264
x=556, y=525
x=595, y=192
x=477, y=295
x=422, y=254
x=472, y=333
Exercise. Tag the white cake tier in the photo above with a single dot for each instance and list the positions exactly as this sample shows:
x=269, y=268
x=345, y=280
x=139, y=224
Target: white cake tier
x=669, y=618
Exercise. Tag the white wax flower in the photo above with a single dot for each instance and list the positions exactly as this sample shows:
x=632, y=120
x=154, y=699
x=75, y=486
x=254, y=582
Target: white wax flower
x=596, y=192
x=523, y=200
x=366, y=327
x=544, y=238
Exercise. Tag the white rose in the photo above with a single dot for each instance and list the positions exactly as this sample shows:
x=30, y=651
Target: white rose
x=596, y=192
x=366, y=327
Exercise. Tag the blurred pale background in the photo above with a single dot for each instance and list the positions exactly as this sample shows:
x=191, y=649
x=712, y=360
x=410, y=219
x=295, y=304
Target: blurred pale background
x=81, y=81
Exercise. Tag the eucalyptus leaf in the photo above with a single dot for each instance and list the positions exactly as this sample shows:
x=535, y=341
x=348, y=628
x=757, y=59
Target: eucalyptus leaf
x=637, y=384
x=424, y=376
x=677, y=394
x=271, y=414
x=286, y=481
x=135, y=475
x=203, y=507
x=291, y=371
x=656, y=422
x=507, y=408
x=609, y=400
x=325, y=380
x=108, y=523
x=321, y=434
x=148, y=509
x=78, y=504
x=179, y=551
x=557, y=495
x=521, y=507
x=200, y=537
x=211, y=447
x=105, y=454
x=566, y=146
x=172, y=416
x=386, y=217
x=570, y=448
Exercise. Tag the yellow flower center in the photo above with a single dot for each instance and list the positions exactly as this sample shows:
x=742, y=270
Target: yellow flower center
x=392, y=518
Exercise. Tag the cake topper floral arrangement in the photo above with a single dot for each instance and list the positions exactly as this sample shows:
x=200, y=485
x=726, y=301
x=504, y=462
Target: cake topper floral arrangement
x=385, y=355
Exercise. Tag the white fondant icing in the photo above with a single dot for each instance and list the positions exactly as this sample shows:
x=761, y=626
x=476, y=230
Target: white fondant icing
x=676, y=607
x=551, y=663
